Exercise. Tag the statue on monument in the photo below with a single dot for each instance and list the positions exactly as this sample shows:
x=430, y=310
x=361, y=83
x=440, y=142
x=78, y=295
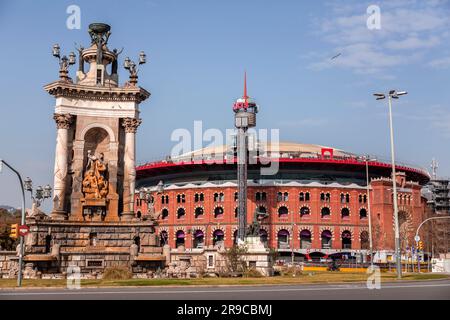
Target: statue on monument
x=95, y=185
x=254, y=228
x=99, y=33
x=80, y=58
x=115, y=63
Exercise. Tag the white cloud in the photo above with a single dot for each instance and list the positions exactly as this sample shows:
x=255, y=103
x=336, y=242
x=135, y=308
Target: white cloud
x=409, y=30
x=440, y=63
x=413, y=42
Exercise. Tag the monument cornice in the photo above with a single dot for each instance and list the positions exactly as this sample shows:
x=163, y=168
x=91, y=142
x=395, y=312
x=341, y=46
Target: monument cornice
x=94, y=93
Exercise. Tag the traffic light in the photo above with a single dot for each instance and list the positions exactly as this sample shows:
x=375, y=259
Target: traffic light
x=420, y=245
x=14, y=233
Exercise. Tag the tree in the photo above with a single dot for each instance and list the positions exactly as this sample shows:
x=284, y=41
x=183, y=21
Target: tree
x=235, y=261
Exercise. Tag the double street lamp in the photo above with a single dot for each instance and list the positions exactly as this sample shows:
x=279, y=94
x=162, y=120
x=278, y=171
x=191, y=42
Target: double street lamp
x=393, y=94
x=41, y=193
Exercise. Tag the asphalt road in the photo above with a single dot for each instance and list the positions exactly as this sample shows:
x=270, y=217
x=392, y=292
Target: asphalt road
x=404, y=290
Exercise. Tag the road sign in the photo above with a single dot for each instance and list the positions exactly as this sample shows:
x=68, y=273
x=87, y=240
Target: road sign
x=417, y=238
x=24, y=230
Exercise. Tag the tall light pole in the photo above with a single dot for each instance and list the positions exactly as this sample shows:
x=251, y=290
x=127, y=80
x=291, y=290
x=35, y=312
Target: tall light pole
x=393, y=94
x=245, y=110
x=22, y=222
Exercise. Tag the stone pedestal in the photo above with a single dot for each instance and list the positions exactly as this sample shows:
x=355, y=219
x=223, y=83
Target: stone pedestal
x=258, y=256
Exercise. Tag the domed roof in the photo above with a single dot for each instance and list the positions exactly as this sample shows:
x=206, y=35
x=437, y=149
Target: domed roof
x=282, y=150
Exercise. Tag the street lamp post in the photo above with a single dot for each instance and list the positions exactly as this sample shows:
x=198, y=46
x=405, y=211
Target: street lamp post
x=22, y=222
x=417, y=237
x=393, y=94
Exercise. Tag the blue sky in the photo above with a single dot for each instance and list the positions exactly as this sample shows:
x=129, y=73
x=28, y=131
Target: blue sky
x=198, y=51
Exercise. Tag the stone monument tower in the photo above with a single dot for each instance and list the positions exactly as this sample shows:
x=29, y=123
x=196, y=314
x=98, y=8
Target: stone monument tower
x=92, y=225
x=96, y=121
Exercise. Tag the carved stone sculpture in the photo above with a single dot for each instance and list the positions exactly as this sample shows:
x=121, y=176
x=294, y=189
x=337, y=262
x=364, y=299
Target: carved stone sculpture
x=95, y=185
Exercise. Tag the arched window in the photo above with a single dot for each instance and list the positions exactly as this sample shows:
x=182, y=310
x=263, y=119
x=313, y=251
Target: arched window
x=139, y=214
x=199, y=239
x=347, y=198
x=304, y=212
x=181, y=198
x=181, y=213
x=262, y=209
x=165, y=214
x=283, y=212
x=360, y=198
x=365, y=198
x=165, y=199
x=263, y=196
x=198, y=212
x=199, y=197
x=325, y=213
x=286, y=196
x=221, y=197
x=236, y=196
x=218, y=237
x=363, y=213
x=307, y=196
x=301, y=197
x=365, y=243
x=236, y=212
x=279, y=196
x=218, y=212
x=235, y=236
x=325, y=197
x=326, y=238
x=179, y=238
x=258, y=196
x=342, y=198
x=305, y=239
x=283, y=239
x=345, y=213
x=346, y=240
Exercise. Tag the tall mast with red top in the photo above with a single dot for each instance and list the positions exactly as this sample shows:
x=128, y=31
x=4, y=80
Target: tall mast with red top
x=245, y=110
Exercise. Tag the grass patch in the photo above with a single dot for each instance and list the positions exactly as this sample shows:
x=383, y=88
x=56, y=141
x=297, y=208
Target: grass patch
x=305, y=278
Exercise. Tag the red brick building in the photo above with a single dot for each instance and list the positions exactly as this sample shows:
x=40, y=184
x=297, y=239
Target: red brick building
x=316, y=205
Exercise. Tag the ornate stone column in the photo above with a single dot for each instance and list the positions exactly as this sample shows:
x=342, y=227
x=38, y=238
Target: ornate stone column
x=63, y=123
x=130, y=125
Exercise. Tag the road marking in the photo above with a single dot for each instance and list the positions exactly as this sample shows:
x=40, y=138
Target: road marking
x=218, y=291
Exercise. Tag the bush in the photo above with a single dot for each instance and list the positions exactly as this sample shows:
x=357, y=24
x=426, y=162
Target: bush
x=292, y=272
x=252, y=273
x=117, y=273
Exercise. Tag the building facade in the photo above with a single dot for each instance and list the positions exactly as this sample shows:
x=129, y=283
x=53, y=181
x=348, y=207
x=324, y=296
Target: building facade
x=315, y=206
